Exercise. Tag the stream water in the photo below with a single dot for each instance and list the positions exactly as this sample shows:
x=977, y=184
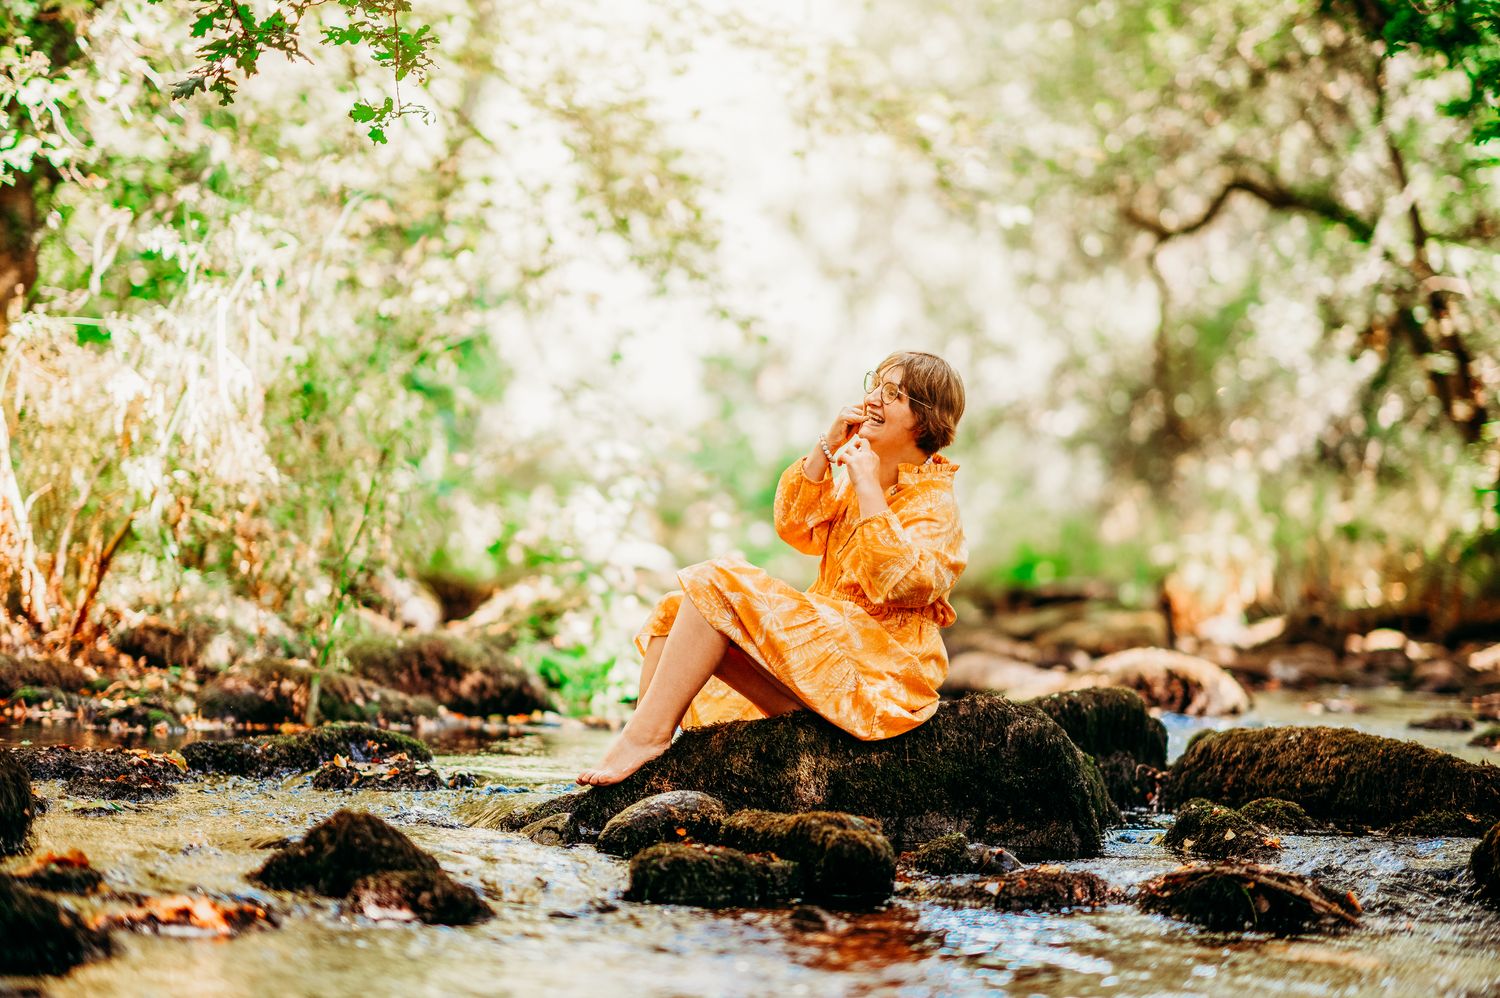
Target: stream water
x=562, y=929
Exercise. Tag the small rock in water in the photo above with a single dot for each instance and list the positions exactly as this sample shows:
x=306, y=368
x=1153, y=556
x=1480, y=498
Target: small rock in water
x=1488, y=738
x=1212, y=831
x=709, y=877
x=952, y=854
x=1484, y=865
x=395, y=773
x=68, y=873
x=1440, y=824
x=351, y=848
x=1040, y=888
x=1444, y=722
x=1282, y=816
x=135, y=786
x=42, y=937
x=1227, y=897
x=811, y=918
x=670, y=817
x=549, y=831
x=17, y=805
x=416, y=895
x=839, y=855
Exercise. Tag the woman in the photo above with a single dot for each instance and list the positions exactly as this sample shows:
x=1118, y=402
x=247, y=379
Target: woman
x=861, y=647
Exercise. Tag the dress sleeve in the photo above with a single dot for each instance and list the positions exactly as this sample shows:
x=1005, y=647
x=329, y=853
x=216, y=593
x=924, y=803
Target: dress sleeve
x=804, y=509
x=911, y=557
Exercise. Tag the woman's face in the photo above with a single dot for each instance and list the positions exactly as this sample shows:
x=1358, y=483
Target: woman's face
x=889, y=426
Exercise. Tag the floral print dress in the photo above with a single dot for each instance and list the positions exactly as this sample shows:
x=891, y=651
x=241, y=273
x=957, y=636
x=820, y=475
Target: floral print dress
x=861, y=647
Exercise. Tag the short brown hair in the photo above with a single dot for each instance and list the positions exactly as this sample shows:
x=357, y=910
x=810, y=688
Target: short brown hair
x=938, y=392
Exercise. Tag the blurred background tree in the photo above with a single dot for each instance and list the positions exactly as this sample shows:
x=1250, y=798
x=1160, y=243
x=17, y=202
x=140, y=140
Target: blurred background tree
x=1222, y=279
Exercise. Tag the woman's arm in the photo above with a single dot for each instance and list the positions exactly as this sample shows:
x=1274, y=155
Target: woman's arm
x=911, y=558
x=804, y=496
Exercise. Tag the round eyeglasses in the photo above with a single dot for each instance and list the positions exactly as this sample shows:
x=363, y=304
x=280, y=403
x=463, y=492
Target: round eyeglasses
x=890, y=391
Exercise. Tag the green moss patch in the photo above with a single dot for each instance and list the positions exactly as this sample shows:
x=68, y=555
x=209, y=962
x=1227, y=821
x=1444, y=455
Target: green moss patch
x=997, y=771
x=1282, y=816
x=1212, y=831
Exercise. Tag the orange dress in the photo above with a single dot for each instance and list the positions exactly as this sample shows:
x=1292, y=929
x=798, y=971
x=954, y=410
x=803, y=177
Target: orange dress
x=861, y=647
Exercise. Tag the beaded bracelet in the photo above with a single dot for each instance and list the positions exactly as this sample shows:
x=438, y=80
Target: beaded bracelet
x=823, y=440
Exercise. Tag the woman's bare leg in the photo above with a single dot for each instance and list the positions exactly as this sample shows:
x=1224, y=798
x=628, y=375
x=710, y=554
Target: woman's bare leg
x=648, y=669
x=692, y=653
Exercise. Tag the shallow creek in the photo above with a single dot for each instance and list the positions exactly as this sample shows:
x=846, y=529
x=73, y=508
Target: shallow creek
x=561, y=927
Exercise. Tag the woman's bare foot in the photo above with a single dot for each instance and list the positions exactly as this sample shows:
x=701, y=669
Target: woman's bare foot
x=625, y=756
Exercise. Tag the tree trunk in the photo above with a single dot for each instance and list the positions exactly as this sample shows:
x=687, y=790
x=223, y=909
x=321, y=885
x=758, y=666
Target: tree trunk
x=19, y=222
x=22, y=583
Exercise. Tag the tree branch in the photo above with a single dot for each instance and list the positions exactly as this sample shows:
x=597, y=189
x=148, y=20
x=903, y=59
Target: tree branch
x=1273, y=195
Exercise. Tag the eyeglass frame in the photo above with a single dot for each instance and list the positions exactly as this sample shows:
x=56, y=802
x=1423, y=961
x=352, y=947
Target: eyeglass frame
x=893, y=386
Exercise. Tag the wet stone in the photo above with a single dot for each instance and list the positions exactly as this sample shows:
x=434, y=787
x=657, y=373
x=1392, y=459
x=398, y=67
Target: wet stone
x=1113, y=725
x=999, y=772
x=1041, y=888
x=947, y=855
x=1488, y=738
x=392, y=774
x=670, y=817
x=138, y=786
x=709, y=877
x=339, y=851
x=549, y=831
x=426, y=896
x=1444, y=722
x=277, y=755
x=1484, y=865
x=41, y=937
x=1282, y=816
x=1346, y=777
x=1211, y=831
x=67, y=873
x=840, y=855
x=1228, y=897
x=17, y=805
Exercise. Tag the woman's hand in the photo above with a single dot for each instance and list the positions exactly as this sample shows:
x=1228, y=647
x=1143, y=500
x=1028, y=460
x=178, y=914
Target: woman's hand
x=845, y=425
x=863, y=465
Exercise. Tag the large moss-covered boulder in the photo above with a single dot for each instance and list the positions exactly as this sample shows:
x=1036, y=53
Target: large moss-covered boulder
x=17, y=806
x=840, y=855
x=710, y=877
x=275, y=755
x=1113, y=725
x=472, y=677
x=1484, y=864
x=1347, y=777
x=1000, y=772
x=38, y=936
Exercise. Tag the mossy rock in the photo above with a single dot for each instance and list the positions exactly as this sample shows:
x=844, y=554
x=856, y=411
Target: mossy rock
x=470, y=677
x=433, y=898
x=137, y=786
x=1042, y=888
x=1444, y=722
x=1489, y=737
x=709, y=877
x=276, y=755
x=668, y=817
x=549, y=831
x=63, y=762
x=1340, y=775
x=29, y=674
x=1441, y=824
x=402, y=774
x=1282, y=816
x=41, y=937
x=840, y=855
x=1113, y=725
x=69, y=873
x=17, y=805
x=997, y=771
x=1212, y=831
x=1484, y=865
x=948, y=855
x=1230, y=897
x=337, y=852
x=275, y=691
